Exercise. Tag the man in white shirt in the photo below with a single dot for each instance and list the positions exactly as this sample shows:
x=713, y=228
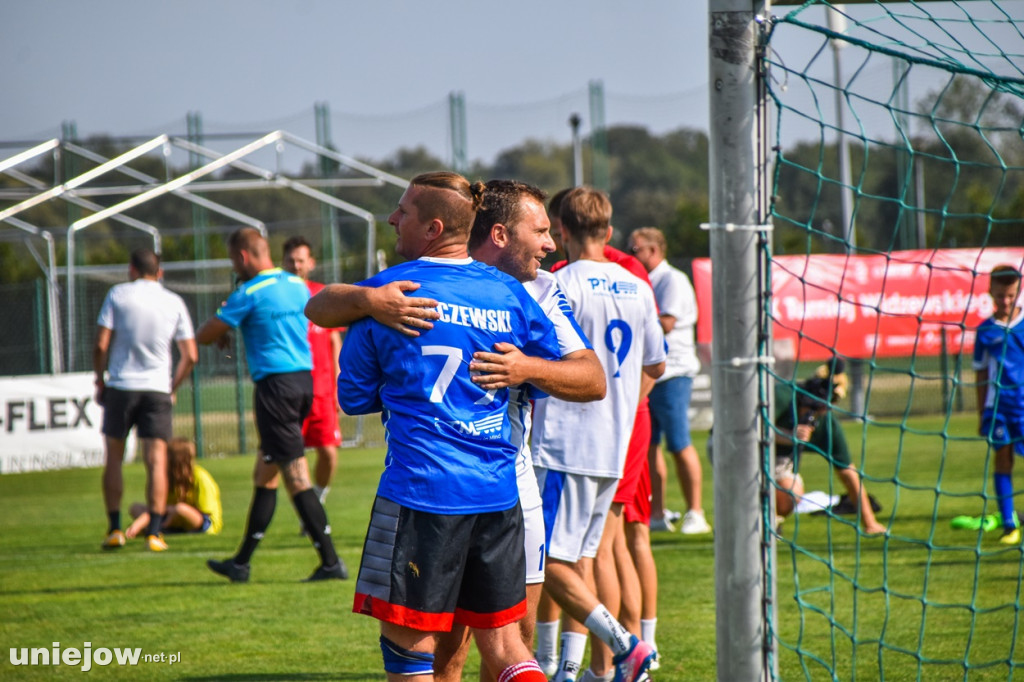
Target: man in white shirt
x=138, y=323
x=580, y=449
x=670, y=398
x=512, y=233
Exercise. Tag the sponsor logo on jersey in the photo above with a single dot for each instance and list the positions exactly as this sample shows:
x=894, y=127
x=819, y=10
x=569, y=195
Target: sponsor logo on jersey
x=488, y=426
x=481, y=318
x=601, y=285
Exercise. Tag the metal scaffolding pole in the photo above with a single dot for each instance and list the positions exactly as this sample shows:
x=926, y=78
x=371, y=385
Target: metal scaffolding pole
x=737, y=217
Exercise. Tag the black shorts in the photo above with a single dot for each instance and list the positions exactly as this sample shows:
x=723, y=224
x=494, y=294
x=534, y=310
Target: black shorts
x=281, y=403
x=148, y=411
x=425, y=571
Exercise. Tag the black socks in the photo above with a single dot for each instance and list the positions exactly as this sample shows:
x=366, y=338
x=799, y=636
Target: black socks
x=264, y=500
x=314, y=519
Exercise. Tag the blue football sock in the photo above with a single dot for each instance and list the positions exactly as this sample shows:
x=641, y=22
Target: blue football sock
x=1004, y=497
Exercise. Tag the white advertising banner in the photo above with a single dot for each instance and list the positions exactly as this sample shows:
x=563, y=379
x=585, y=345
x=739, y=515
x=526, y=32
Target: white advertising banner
x=50, y=422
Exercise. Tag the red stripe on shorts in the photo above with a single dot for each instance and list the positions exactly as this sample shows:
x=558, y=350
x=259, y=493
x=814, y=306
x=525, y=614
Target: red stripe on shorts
x=406, y=617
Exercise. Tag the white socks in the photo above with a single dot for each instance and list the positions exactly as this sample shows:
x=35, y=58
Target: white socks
x=608, y=630
x=547, y=640
x=574, y=645
x=647, y=628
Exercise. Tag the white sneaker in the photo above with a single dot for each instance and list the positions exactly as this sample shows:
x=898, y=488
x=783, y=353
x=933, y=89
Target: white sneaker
x=589, y=676
x=694, y=523
x=656, y=661
x=662, y=524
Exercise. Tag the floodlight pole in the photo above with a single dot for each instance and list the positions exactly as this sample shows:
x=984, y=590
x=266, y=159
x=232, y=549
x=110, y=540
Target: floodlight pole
x=738, y=211
x=577, y=150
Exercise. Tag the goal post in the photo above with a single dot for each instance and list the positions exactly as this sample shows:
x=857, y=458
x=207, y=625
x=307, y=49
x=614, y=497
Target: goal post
x=738, y=212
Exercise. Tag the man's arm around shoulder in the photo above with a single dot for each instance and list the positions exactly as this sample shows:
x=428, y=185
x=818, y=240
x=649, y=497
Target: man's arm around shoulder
x=340, y=305
x=576, y=377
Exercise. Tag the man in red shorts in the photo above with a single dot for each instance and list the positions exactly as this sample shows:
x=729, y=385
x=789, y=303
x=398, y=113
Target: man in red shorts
x=320, y=430
x=632, y=557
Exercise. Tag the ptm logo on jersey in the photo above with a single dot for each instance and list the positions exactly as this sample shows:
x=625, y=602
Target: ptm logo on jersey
x=488, y=426
x=603, y=286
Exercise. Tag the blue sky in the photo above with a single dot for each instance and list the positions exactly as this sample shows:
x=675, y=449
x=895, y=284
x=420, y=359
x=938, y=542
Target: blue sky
x=384, y=67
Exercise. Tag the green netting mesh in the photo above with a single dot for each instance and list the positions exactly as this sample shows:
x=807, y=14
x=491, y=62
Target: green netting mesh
x=898, y=185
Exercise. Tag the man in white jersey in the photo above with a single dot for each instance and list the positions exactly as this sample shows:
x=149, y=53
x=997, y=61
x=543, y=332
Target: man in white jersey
x=138, y=323
x=445, y=491
x=670, y=398
x=511, y=232
x=580, y=449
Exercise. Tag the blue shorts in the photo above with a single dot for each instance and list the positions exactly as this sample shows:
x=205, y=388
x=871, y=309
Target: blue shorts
x=1003, y=429
x=205, y=528
x=670, y=407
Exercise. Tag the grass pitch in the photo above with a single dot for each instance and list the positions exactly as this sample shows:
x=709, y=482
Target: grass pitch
x=931, y=603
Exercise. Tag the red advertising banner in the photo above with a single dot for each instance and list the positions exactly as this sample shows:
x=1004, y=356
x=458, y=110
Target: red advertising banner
x=895, y=304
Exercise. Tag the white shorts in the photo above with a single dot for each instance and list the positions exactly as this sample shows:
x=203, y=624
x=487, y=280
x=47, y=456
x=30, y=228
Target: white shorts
x=533, y=524
x=575, y=510
x=784, y=470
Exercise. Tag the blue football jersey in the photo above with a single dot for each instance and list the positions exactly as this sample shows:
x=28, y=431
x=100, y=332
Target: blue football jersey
x=269, y=310
x=448, y=439
x=999, y=348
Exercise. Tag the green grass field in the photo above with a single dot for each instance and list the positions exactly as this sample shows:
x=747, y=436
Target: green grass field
x=926, y=593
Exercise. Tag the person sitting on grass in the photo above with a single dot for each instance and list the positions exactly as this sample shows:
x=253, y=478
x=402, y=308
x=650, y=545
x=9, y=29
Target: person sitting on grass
x=805, y=419
x=193, y=497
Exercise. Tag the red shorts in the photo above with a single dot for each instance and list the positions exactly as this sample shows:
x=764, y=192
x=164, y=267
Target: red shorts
x=321, y=426
x=636, y=456
x=638, y=510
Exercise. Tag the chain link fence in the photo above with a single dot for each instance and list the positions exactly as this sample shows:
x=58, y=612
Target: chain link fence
x=215, y=408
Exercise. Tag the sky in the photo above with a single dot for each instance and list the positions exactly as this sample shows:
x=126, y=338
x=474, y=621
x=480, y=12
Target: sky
x=385, y=68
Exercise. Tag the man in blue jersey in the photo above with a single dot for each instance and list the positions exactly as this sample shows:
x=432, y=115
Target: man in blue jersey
x=999, y=367
x=445, y=543
x=513, y=233
x=267, y=308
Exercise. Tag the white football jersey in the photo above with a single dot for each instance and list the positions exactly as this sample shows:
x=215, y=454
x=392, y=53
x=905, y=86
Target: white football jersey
x=546, y=292
x=617, y=312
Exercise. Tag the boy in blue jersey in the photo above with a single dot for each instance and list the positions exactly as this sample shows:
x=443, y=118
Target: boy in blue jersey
x=445, y=543
x=267, y=308
x=999, y=367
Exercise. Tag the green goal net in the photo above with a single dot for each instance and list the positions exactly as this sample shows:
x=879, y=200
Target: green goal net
x=898, y=184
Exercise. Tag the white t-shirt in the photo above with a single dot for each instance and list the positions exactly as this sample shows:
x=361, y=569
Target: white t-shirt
x=675, y=297
x=146, y=320
x=616, y=311
x=552, y=301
